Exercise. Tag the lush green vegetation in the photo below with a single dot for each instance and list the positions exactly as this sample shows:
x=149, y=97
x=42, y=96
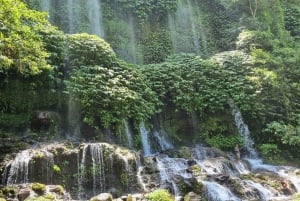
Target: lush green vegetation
x=39, y=63
x=160, y=195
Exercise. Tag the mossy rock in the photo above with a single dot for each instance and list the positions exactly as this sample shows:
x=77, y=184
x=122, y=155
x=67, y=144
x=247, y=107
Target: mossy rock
x=296, y=197
x=39, y=188
x=129, y=198
x=2, y=199
x=195, y=170
x=102, y=197
x=9, y=190
x=161, y=195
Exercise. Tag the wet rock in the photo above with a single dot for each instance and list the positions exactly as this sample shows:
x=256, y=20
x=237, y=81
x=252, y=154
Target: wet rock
x=102, y=197
x=191, y=196
x=23, y=194
x=222, y=178
x=195, y=170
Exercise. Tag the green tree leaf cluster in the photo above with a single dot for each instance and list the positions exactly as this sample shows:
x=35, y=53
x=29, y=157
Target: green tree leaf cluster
x=22, y=49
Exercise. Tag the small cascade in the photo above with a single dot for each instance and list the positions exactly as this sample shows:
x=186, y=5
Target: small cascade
x=185, y=27
x=139, y=172
x=170, y=169
x=95, y=17
x=241, y=167
x=19, y=168
x=98, y=174
x=202, y=153
x=162, y=140
x=145, y=140
x=217, y=192
x=128, y=134
x=244, y=131
x=264, y=193
x=22, y=169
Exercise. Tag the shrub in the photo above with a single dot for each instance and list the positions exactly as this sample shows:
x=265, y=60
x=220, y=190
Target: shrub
x=160, y=195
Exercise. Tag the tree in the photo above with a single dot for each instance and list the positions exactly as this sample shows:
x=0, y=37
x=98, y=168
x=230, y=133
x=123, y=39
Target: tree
x=21, y=47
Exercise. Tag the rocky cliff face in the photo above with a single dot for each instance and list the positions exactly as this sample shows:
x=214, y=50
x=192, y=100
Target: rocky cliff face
x=87, y=170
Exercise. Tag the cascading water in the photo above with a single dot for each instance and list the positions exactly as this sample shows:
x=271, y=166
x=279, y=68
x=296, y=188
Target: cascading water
x=217, y=192
x=185, y=27
x=253, y=159
x=73, y=118
x=169, y=169
x=145, y=140
x=128, y=134
x=98, y=174
x=243, y=130
x=19, y=168
x=132, y=39
x=71, y=16
x=95, y=17
x=46, y=6
x=162, y=140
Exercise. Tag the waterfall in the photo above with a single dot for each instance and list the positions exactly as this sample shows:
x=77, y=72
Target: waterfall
x=264, y=193
x=128, y=134
x=46, y=6
x=97, y=169
x=98, y=166
x=193, y=27
x=71, y=16
x=19, y=168
x=73, y=117
x=170, y=169
x=243, y=130
x=185, y=27
x=163, y=142
x=95, y=17
x=217, y=192
x=132, y=39
x=145, y=140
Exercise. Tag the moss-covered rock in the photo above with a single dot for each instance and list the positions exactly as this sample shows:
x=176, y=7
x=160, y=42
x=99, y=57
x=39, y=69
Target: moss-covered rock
x=102, y=197
x=160, y=194
x=39, y=188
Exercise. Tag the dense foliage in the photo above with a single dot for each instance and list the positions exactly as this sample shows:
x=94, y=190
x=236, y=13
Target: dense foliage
x=262, y=77
x=108, y=90
x=21, y=47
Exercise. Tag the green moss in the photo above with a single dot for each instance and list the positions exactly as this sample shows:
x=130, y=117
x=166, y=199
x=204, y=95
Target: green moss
x=39, y=188
x=9, y=190
x=56, y=169
x=2, y=199
x=296, y=197
x=247, y=177
x=160, y=195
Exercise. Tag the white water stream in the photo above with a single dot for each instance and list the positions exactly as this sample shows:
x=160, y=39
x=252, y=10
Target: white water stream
x=95, y=17
x=145, y=140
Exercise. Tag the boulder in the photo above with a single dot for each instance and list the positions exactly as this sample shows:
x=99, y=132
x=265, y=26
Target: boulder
x=23, y=194
x=102, y=197
x=191, y=196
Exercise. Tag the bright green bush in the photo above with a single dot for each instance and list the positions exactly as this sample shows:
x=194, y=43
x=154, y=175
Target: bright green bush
x=224, y=142
x=160, y=195
x=89, y=50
